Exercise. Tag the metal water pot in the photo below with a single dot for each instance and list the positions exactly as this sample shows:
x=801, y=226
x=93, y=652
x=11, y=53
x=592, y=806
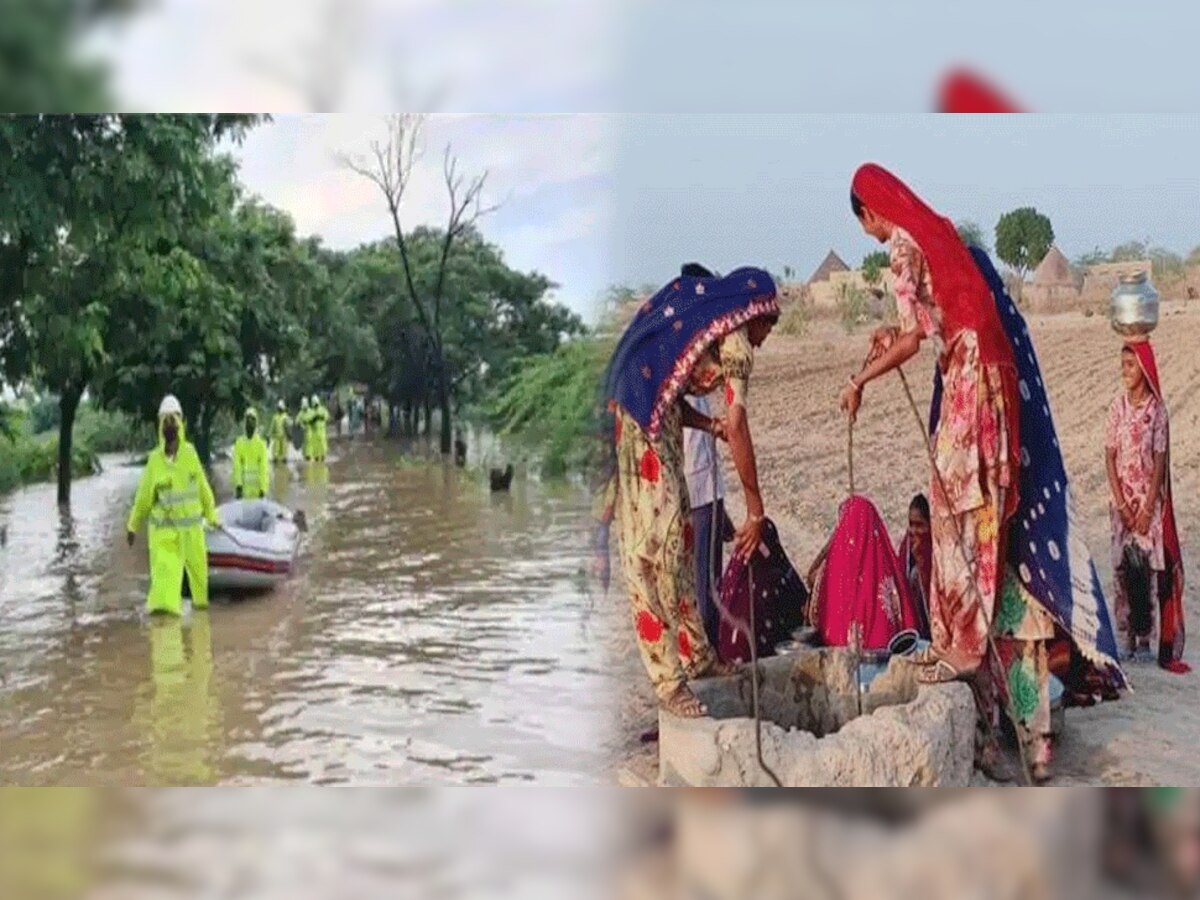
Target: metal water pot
x=1134, y=306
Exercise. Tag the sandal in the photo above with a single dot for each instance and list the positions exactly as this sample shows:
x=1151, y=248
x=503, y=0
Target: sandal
x=942, y=672
x=684, y=704
x=926, y=656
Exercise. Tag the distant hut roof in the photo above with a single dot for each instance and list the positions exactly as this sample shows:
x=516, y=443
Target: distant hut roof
x=833, y=263
x=1054, y=270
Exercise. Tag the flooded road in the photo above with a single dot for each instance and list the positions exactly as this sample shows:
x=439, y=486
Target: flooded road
x=436, y=633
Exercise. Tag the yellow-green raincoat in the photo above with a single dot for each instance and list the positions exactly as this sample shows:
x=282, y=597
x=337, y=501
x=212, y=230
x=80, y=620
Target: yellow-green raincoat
x=280, y=425
x=251, y=469
x=175, y=499
x=320, y=431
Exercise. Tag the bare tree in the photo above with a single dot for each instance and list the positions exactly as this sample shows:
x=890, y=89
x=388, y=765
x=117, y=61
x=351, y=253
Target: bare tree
x=389, y=167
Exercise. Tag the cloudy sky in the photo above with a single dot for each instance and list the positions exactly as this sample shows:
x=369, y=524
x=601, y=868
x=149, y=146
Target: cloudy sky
x=551, y=176
x=774, y=190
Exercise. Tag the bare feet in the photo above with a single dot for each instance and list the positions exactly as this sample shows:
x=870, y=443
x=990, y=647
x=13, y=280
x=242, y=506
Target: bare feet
x=684, y=703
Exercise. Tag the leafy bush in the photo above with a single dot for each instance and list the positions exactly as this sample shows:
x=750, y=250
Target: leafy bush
x=794, y=320
x=853, y=306
x=43, y=414
x=550, y=405
x=873, y=266
x=110, y=432
x=29, y=459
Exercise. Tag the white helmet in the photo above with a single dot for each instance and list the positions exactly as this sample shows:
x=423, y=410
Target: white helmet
x=281, y=405
x=315, y=399
x=304, y=403
x=170, y=407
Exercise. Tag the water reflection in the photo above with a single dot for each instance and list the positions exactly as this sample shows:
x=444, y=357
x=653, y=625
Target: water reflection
x=179, y=713
x=436, y=632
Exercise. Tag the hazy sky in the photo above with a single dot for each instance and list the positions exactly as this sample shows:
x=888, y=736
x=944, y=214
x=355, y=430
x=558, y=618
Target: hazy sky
x=551, y=176
x=774, y=190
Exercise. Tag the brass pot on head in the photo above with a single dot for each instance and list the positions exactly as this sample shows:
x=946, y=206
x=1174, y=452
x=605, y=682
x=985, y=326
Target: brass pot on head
x=1133, y=309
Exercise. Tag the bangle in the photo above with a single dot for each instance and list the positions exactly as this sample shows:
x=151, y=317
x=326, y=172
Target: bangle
x=750, y=518
x=854, y=384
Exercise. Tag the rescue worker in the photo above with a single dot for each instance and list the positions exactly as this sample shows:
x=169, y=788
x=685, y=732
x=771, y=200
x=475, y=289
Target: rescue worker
x=304, y=421
x=251, y=473
x=280, y=425
x=175, y=499
x=320, y=430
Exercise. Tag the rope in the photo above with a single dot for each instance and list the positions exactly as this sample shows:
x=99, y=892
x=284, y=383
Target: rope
x=751, y=630
x=960, y=541
x=856, y=635
x=850, y=452
x=754, y=682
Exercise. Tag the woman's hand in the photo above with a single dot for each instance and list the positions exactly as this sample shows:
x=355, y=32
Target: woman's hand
x=1141, y=523
x=851, y=400
x=748, y=537
x=718, y=431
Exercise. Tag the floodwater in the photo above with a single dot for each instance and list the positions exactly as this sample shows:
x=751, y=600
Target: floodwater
x=435, y=633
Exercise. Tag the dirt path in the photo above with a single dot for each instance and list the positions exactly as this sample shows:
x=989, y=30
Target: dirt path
x=801, y=442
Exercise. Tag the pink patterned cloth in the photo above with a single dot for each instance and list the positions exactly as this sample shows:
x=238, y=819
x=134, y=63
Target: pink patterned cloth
x=861, y=585
x=1136, y=433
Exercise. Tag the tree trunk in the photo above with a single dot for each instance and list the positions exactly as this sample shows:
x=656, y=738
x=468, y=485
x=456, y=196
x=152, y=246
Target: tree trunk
x=443, y=397
x=68, y=406
x=444, y=406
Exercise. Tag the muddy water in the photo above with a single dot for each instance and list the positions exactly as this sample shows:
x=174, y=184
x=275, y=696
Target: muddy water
x=436, y=633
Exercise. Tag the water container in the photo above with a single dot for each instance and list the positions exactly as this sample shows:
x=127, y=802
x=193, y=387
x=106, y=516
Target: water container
x=1133, y=309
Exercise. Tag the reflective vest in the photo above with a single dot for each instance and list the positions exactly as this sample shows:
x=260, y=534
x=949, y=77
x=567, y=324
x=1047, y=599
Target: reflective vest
x=173, y=493
x=251, y=471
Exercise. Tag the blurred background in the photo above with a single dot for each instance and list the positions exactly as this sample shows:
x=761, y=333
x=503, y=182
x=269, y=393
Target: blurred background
x=819, y=56
x=584, y=843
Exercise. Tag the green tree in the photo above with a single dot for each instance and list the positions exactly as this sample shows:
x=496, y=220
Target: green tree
x=1130, y=251
x=873, y=266
x=1167, y=265
x=1193, y=258
x=550, y=402
x=87, y=193
x=972, y=235
x=391, y=169
x=41, y=66
x=216, y=318
x=1094, y=257
x=1023, y=238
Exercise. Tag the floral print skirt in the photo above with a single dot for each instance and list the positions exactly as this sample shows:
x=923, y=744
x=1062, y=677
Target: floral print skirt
x=657, y=551
x=970, y=481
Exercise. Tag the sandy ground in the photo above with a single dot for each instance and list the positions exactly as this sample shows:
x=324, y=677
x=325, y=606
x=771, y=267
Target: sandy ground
x=1146, y=738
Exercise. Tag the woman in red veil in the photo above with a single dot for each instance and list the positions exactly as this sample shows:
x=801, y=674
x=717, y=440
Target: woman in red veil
x=941, y=294
x=1145, y=542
